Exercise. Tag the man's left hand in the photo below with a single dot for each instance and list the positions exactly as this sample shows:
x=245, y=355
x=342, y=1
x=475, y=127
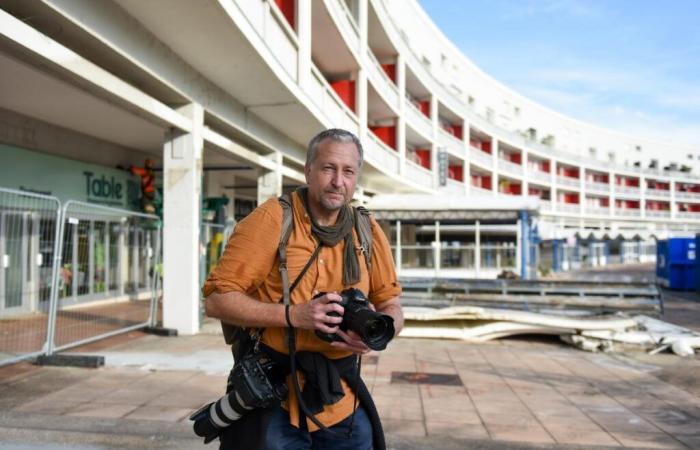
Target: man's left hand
x=352, y=342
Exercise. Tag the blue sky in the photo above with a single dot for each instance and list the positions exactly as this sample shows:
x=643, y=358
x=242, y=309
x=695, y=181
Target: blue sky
x=632, y=66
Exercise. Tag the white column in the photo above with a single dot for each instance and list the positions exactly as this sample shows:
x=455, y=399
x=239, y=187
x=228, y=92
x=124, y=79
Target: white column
x=466, y=172
x=494, y=164
x=361, y=82
x=642, y=196
x=437, y=250
x=401, y=123
x=674, y=207
x=304, y=38
x=434, y=139
x=523, y=160
x=270, y=182
x=182, y=184
x=398, y=258
x=477, y=249
x=611, y=191
x=553, y=181
x=582, y=190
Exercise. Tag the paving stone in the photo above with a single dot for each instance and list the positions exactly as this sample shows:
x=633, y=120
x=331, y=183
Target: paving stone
x=104, y=410
x=532, y=433
x=575, y=435
x=404, y=427
x=647, y=440
x=456, y=430
x=163, y=413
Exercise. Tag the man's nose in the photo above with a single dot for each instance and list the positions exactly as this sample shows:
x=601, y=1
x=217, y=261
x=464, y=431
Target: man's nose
x=337, y=179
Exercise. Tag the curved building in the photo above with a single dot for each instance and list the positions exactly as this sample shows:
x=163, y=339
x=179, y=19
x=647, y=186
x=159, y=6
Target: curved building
x=224, y=95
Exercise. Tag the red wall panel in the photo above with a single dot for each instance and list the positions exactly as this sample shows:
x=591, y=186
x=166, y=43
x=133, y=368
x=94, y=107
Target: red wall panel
x=386, y=134
x=423, y=157
x=390, y=70
x=455, y=172
x=346, y=91
x=288, y=8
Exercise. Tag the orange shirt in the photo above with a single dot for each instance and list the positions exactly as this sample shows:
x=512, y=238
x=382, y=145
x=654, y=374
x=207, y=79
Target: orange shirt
x=250, y=264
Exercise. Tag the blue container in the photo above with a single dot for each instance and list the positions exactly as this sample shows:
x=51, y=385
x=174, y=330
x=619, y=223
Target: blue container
x=675, y=263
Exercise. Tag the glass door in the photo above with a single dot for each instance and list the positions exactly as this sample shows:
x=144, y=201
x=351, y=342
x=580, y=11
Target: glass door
x=14, y=260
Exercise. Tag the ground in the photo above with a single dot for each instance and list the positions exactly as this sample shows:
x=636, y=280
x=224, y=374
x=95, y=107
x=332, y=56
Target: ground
x=509, y=394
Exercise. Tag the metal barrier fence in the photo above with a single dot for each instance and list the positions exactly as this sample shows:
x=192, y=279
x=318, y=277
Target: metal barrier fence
x=106, y=277
x=29, y=225
x=72, y=274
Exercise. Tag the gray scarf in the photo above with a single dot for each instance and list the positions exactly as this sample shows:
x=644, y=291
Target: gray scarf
x=330, y=236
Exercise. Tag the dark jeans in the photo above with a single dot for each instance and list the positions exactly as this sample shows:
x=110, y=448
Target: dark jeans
x=283, y=436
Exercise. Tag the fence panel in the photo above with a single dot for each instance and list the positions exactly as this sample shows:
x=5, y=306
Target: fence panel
x=106, y=277
x=28, y=246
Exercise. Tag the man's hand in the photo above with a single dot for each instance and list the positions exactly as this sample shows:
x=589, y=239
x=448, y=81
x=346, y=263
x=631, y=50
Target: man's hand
x=314, y=315
x=352, y=342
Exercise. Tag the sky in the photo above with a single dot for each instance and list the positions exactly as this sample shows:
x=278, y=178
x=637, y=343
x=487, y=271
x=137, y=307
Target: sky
x=631, y=66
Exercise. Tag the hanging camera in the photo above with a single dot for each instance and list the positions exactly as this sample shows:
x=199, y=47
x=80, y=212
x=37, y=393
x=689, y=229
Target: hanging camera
x=375, y=329
x=255, y=382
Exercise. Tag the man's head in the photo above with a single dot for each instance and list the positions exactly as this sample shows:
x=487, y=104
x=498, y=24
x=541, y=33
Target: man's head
x=333, y=162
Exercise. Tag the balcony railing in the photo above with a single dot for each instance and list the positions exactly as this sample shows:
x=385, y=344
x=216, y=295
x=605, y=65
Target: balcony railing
x=630, y=190
x=381, y=81
x=454, y=186
x=568, y=181
x=381, y=155
x=483, y=158
x=628, y=212
x=568, y=207
x=418, y=120
x=688, y=215
x=545, y=205
x=419, y=174
x=510, y=167
x=336, y=112
x=593, y=186
x=539, y=175
x=342, y=16
x=480, y=191
x=597, y=210
x=657, y=213
x=658, y=193
x=451, y=142
x=691, y=195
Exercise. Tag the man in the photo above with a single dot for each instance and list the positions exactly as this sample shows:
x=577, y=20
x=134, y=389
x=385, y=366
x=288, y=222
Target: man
x=245, y=289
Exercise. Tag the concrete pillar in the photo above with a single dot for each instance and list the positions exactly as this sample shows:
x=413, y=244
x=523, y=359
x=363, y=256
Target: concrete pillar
x=401, y=123
x=437, y=252
x=674, y=207
x=270, y=181
x=304, y=38
x=477, y=248
x=494, y=165
x=182, y=184
x=526, y=184
x=466, y=172
x=361, y=93
x=434, y=138
x=553, y=180
x=611, y=191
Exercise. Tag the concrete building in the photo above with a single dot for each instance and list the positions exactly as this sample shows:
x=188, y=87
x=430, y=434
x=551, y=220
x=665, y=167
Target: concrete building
x=224, y=94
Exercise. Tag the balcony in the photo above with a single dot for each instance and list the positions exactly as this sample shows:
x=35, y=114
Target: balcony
x=455, y=187
x=597, y=210
x=332, y=107
x=480, y=191
x=451, y=143
x=592, y=186
x=275, y=32
x=569, y=208
x=510, y=167
x=545, y=205
x=419, y=121
x=381, y=81
x=539, y=175
x=568, y=181
x=347, y=26
x=694, y=215
x=628, y=190
x=688, y=195
x=658, y=214
x=419, y=174
x=381, y=155
x=628, y=212
x=481, y=158
x=658, y=193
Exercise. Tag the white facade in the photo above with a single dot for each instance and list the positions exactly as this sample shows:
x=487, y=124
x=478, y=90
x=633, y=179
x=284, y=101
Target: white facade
x=234, y=89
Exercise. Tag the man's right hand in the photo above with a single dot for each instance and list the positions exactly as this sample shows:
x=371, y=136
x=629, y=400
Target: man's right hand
x=314, y=314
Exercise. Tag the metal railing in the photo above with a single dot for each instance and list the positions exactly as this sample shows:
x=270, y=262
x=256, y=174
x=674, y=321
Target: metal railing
x=72, y=273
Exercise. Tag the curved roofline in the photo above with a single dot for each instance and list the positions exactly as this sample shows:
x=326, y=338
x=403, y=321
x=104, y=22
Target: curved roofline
x=500, y=85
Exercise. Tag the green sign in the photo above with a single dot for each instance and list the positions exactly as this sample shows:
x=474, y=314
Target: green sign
x=67, y=179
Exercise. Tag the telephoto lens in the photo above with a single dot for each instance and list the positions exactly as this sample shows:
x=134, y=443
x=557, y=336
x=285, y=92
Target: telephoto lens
x=375, y=329
x=256, y=382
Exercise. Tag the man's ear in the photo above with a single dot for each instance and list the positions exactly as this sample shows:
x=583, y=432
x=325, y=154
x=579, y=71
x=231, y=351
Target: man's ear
x=307, y=172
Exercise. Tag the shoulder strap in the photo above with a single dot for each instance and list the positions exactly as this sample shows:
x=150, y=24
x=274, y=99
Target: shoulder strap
x=287, y=223
x=363, y=226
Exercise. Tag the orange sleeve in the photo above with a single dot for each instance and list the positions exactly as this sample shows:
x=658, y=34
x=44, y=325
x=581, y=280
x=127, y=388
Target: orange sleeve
x=250, y=252
x=383, y=284
x=140, y=171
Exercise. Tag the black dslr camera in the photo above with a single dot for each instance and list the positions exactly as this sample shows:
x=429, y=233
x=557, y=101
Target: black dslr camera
x=255, y=382
x=375, y=329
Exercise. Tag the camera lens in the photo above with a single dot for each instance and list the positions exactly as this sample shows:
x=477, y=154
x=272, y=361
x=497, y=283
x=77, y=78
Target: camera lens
x=375, y=328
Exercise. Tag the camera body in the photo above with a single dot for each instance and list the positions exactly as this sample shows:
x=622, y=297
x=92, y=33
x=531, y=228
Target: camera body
x=255, y=382
x=375, y=329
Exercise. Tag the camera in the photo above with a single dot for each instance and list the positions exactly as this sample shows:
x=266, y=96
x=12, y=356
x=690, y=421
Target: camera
x=255, y=382
x=375, y=329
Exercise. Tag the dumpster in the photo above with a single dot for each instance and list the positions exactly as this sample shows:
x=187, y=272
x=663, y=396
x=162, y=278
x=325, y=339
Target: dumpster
x=675, y=263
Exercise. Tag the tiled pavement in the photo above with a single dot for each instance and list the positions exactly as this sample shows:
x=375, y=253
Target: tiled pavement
x=513, y=391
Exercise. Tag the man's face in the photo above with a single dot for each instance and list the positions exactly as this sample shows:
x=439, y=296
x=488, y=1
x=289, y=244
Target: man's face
x=332, y=176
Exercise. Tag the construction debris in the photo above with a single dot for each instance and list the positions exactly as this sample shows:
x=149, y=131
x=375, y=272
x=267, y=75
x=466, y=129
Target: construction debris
x=587, y=332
